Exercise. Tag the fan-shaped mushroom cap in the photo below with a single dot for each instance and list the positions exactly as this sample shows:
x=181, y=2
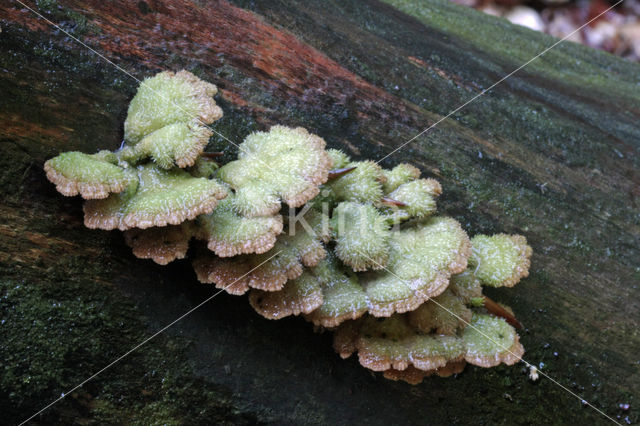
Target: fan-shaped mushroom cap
x=451, y=368
x=418, y=196
x=395, y=343
x=271, y=270
x=160, y=198
x=414, y=376
x=421, y=260
x=176, y=144
x=342, y=297
x=411, y=375
x=391, y=342
x=444, y=314
x=91, y=176
x=162, y=245
x=500, y=260
x=300, y=296
x=238, y=274
x=363, y=185
x=281, y=164
x=230, y=234
x=168, y=98
x=309, y=292
x=361, y=235
x=400, y=174
x=338, y=158
x=489, y=341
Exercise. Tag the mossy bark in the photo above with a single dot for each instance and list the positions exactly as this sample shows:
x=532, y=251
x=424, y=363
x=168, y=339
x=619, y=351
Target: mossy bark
x=551, y=153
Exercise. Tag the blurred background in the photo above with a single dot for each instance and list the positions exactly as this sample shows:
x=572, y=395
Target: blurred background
x=617, y=31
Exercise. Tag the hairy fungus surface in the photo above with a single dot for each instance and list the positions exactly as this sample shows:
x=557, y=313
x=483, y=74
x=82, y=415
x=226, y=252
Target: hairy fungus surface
x=405, y=350
x=282, y=164
x=167, y=120
x=400, y=174
x=466, y=286
x=392, y=343
x=204, y=167
x=362, y=185
x=291, y=252
x=159, y=198
x=421, y=260
x=177, y=144
x=169, y=98
x=338, y=158
x=360, y=252
x=418, y=197
x=490, y=341
x=500, y=260
x=91, y=176
x=342, y=296
x=162, y=245
x=361, y=235
x=414, y=376
x=444, y=314
x=230, y=234
x=300, y=296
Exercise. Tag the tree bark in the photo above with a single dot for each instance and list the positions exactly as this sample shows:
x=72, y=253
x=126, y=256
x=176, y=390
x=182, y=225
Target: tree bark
x=550, y=153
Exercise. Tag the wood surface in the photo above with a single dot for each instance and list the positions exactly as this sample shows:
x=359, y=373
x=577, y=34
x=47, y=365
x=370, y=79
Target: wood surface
x=550, y=153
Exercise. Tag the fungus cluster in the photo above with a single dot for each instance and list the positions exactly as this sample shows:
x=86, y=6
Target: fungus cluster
x=304, y=230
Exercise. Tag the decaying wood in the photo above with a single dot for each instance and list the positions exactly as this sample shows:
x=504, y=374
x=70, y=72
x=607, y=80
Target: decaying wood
x=551, y=153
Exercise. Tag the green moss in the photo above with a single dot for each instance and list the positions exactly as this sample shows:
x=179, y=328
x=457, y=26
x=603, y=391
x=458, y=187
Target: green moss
x=499, y=38
x=70, y=20
x=53, y=337
x=15, y=165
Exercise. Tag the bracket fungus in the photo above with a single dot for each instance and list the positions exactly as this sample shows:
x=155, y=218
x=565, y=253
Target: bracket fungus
x=230, y=234
x=161, y=244
x=360, y=252
x=156, y=197
x=289, y=254
x=168, y=99
x=282, y=164
x=362, y=185
x=402, y=173
x=92, y=176
x=361, y=236
x=500, y=260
